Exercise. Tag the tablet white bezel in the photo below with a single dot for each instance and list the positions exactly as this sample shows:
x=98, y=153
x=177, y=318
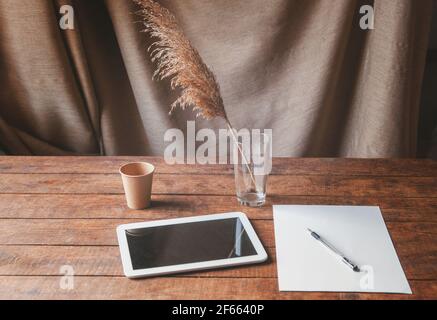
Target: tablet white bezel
x=261, y=255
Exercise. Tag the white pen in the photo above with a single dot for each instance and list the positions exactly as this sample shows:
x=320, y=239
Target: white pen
x=345, y=260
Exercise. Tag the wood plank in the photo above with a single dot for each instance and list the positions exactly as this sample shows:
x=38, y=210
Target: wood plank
x=415, y=242
x=422, y=290
x=64, y=228
x=105, y=261
x=79, y=231
x=40, y=206
x=157, y=288
x=223, y=185
x=101, y=232
x=178, y=289
x=100, y=261
x=290, y=166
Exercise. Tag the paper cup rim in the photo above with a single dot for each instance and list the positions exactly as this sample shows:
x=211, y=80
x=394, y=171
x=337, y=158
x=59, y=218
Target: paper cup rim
x=139, y=175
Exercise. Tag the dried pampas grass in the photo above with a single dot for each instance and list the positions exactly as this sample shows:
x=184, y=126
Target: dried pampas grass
x=180, y=62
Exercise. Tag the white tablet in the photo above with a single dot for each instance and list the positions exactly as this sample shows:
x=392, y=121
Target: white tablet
x=188, y=244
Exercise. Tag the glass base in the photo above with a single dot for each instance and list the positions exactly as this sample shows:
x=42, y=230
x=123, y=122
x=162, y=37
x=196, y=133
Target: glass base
x=252, y=200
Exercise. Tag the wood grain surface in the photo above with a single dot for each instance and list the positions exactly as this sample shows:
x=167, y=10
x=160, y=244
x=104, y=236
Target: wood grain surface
x=57, y=211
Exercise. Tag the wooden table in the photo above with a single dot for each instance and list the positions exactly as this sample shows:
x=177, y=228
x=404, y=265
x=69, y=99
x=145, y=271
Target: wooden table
x=64, y=211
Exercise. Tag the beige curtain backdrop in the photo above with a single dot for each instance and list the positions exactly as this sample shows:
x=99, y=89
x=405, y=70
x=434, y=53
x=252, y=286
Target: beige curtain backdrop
x=303, y=68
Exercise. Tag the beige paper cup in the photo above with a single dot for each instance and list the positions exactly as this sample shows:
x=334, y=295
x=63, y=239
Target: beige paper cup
x=137, y=182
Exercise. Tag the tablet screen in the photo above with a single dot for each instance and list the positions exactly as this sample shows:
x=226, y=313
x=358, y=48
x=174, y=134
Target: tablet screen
x=201, y=241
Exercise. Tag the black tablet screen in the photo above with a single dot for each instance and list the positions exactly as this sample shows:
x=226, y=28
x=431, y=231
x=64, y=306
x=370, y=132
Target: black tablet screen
x=188, y=243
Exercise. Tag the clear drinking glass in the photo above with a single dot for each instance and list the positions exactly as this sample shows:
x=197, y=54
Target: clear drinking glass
x=252, y=166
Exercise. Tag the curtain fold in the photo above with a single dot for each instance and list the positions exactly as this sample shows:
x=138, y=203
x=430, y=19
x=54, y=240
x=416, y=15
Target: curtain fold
x=305, y=69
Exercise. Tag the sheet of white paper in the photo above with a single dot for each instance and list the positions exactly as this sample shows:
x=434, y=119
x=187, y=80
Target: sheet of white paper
x=359, y=233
